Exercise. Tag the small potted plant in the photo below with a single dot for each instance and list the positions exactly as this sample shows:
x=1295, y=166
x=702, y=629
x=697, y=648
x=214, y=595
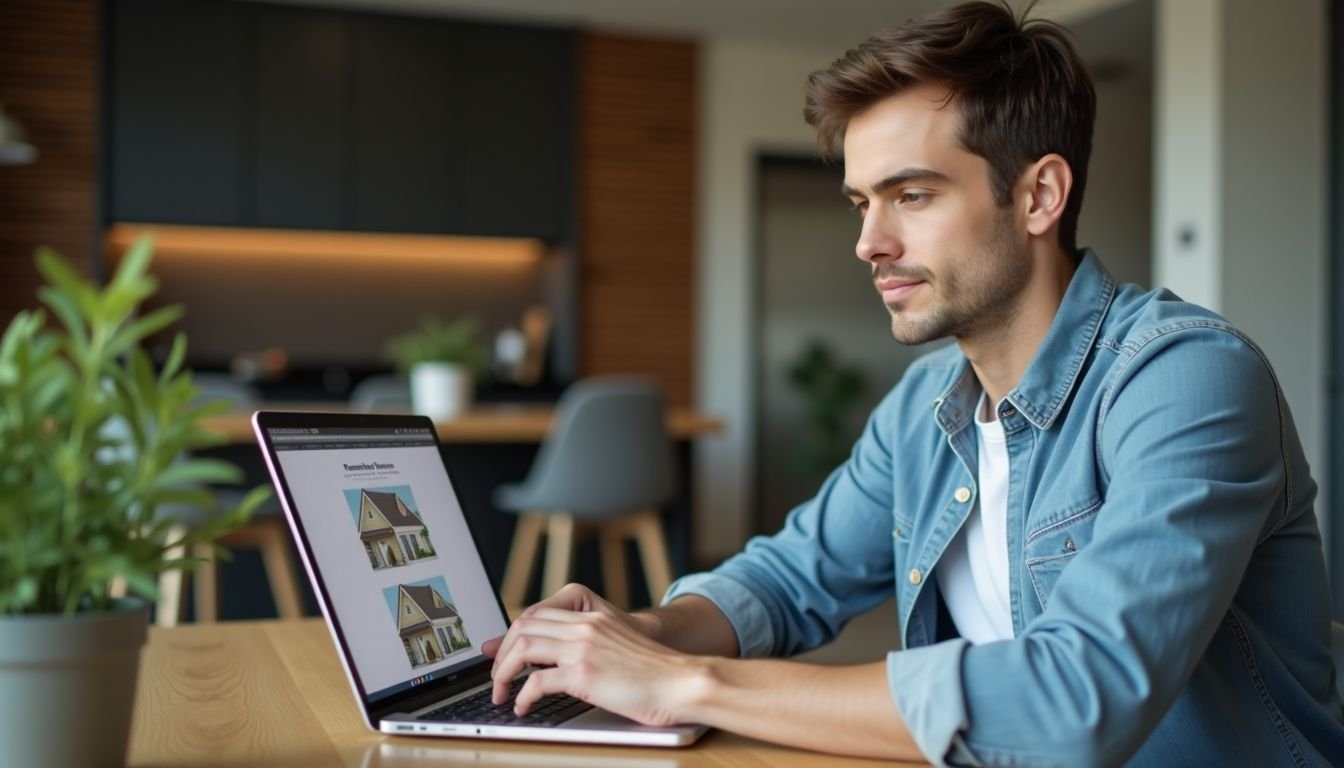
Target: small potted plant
x=93, y=445
x=830, y=390
x=443, y=361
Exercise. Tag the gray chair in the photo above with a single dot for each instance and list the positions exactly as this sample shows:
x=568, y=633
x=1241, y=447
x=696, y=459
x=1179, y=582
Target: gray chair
x=266, y=532
x=381, y=392
x=606, y=467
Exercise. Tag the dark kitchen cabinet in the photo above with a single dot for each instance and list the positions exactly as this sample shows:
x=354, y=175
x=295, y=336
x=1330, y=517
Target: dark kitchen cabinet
x=407, y=154
x=520, y=130
x=248, y=114
x=177, y=127
x=301, y=118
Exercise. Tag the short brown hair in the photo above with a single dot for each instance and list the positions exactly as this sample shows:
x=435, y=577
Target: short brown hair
x=1022, y=90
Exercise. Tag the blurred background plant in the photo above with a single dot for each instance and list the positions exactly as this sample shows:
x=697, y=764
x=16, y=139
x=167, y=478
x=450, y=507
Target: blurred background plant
x=831, y=391
x=95, y=445
x=435, y=341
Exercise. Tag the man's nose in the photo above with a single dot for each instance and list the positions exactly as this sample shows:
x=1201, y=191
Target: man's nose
x=878, y=240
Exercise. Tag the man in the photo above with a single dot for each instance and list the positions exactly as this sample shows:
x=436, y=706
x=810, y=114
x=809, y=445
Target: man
x=1093, y=508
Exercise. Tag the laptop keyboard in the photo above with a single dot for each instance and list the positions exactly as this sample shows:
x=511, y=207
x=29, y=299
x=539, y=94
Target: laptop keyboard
x=477, y=708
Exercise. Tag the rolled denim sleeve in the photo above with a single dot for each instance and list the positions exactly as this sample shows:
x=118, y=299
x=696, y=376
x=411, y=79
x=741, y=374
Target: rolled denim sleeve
x=794, y=591
x=920, y=680
x=746, y=614
x=1192, y=443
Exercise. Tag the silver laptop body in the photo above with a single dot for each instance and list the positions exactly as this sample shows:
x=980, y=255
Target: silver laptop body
x=395, y=568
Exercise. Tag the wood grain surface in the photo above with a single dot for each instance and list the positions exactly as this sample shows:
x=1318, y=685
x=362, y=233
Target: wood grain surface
x=273, y=693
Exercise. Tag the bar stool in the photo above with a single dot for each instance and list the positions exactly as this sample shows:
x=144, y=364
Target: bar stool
x=605, y=467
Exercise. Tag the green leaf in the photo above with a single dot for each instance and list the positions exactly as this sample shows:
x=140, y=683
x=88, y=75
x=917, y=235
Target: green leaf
x=175, y=357
x=198, y=471
x=144, y=327
x=67, y=282
x=134, y=263
x=65, y=309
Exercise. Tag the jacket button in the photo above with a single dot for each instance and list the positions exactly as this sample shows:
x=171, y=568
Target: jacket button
x=962, y=495
x=915, y=576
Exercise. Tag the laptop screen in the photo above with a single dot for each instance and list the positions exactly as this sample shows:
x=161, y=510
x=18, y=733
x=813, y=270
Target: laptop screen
x=388, y=536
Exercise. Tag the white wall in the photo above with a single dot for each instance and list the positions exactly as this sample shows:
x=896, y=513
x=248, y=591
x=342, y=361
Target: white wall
x=752, y=100
x=1187, y=152
x=1117, y=206
x=1242, y=162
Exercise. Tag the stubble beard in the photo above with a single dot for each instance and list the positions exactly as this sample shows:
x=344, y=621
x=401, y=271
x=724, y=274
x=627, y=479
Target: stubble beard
x=978, y=295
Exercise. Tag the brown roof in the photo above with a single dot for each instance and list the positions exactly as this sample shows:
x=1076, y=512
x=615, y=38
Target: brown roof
x=387, y=504
x=424, y=597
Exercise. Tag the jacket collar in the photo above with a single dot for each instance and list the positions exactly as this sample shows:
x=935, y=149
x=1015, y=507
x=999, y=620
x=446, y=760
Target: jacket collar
x=1058, y=362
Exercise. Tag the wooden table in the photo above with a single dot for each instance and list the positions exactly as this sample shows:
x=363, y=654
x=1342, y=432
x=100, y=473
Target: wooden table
x=512, y=423
x=272, y=693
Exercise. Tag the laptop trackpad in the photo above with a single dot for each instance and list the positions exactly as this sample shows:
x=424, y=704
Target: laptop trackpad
x=601, y=720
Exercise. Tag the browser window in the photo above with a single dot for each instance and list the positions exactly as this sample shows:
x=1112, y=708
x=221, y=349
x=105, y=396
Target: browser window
x=390, y=540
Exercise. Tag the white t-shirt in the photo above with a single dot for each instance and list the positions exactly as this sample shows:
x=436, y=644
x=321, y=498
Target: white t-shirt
x=973, y=572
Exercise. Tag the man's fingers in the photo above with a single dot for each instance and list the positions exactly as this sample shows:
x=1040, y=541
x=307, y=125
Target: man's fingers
x=526, y=651
x=491, y=646
x=542, y=682
x=546, y=622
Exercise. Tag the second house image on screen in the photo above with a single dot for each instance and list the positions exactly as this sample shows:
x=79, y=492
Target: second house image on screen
x=430, y=627
x=389, y=526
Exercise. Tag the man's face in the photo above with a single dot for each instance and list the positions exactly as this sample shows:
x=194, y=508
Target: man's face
x=946, y=259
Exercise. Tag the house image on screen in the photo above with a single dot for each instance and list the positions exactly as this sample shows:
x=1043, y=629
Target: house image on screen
x=393, y=535
x=430, y=626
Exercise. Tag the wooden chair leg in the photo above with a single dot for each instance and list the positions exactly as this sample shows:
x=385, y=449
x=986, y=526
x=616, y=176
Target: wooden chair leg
x=280, y=571
x=614, y=577
x=522, y=555
x=206, y=585
x=168, y=611
x=653, y=553
x=559, y=553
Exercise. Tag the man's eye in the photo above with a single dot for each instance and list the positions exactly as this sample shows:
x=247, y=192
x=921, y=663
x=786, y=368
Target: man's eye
x=914, y=198
x=860, y=208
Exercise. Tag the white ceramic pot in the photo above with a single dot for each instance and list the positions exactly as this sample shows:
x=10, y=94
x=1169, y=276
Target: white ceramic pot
x=67, y=685
x=440, y=391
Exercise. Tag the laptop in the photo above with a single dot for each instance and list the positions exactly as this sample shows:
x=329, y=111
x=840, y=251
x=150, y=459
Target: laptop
x=395, y=567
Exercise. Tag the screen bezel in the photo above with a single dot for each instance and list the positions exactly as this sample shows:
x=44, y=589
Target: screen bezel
x=416, y=696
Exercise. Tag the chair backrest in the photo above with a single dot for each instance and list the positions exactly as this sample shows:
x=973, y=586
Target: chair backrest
x=608, y=450
x=384, y=391
x=221, y=386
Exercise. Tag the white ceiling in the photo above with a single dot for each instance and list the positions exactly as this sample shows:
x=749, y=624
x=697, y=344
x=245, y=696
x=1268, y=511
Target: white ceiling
x=832, y=23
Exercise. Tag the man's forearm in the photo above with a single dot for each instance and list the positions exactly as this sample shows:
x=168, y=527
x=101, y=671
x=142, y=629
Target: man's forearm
x=690, y=624
x=845, y=710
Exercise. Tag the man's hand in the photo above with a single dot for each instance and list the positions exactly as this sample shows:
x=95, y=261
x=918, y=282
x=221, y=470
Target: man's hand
x=595, y=653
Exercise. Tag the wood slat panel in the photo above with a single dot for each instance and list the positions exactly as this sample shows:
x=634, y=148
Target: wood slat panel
x=637, y=162
x=48, y=81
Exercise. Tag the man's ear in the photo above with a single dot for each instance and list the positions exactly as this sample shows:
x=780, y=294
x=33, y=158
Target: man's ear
x=1046, y=183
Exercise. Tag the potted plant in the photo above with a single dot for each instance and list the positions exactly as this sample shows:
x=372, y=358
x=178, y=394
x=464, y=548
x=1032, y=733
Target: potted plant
x=443, y=361
x=830, y=390
x=93, y=442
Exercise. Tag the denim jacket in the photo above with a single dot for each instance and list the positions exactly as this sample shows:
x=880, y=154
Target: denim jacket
x=1168, y=590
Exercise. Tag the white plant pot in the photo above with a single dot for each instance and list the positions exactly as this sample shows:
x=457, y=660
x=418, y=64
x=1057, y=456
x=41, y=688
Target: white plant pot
x=440, y=391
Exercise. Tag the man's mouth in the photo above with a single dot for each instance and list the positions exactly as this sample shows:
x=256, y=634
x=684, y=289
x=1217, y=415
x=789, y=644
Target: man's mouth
x=894, y=290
